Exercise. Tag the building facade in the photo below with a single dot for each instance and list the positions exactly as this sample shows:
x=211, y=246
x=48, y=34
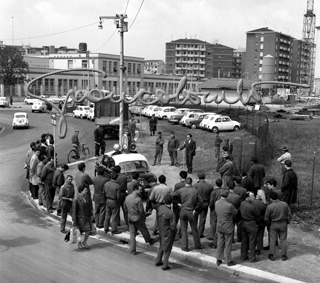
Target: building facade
x=154, y=67
x=238, y=62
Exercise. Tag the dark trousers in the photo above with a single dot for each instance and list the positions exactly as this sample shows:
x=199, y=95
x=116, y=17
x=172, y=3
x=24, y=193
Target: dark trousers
x=286, y=198
x=224, y=246
x=50, y=193
x=41, y=196
x=201, y=217
x=158, y=155
x=99, y=214
x=217, y=152
x=189, y=159
x=98, y=147
x=125, y=214
x=176, y=212
x=213, y=227
x=165, y=255
x=173, y=156
x=34, y=191
x=112, y=211
x=278, y=230
x=134, y=227
x=66, y=207
x=186, y=217
x=249, y=239
x=260, y=235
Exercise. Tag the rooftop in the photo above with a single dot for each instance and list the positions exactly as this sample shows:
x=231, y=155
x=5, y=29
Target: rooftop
x=226, y=83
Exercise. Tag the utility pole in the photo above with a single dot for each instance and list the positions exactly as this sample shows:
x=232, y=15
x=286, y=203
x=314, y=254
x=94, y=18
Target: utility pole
x=123, y=27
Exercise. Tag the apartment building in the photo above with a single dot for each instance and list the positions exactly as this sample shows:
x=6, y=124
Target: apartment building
x=238, y=62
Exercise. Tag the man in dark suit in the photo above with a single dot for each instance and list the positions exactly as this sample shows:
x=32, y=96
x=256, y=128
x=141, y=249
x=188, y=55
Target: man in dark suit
x=190, y=146
x=122, y=181
x=256, y=173
x=289, y=185
x=247, y=182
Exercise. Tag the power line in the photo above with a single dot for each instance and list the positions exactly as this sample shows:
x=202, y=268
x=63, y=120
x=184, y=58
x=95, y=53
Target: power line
x=106, y=41
x=136, y=14
x=125, y=11
x=46, y=35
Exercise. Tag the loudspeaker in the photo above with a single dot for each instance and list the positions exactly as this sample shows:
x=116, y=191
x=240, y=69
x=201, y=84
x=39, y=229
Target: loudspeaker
x=133, y=147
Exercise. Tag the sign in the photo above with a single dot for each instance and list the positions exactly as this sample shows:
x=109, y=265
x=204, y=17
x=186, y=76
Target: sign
x=54, y=119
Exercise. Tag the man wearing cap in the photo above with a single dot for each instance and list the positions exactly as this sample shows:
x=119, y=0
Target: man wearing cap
x=159, y=149
x=286, y=155
x=173, y=145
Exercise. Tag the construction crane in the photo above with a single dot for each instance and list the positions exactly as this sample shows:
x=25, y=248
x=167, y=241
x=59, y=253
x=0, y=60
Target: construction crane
x=308, y=46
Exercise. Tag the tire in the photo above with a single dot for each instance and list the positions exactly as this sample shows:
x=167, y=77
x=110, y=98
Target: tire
x=86, y=153
x=236, y=128
x=215, y=130
x=72, y=156
x=14, y=127
x=193, y=126
x=74, y=116
x=164, y=117
x=32, y=111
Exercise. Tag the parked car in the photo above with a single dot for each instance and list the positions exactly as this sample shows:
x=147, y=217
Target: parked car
x=4, y=102
x=81, y=112
x=152, y=111
x=194, y=122
x=29, y=100
x=20, y=120
x=91, y=114
x=189, y=115
x=146, y=109
x=206, y=119
x=165, y=111
x=39, y=106
x=223, y=123
x=176, y=115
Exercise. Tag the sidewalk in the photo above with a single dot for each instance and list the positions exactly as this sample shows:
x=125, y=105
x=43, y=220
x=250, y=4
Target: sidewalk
x=303, y=264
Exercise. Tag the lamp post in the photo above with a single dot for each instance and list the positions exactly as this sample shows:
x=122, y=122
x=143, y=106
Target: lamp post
x=123, y=27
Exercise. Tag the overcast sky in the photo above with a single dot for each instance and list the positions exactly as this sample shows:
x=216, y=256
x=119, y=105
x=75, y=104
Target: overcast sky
x=158, y=22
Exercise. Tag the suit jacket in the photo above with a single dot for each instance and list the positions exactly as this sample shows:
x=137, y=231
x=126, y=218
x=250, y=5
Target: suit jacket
x=190, y=146
x=167, y=227
x=256, y=173
x=225, y=214
x=248, y=184
x=205, y=190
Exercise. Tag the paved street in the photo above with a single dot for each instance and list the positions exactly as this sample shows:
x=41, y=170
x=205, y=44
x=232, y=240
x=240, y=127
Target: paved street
x=32, y=248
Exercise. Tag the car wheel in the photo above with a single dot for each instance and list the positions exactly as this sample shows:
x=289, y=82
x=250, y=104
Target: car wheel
x=74, y=116
x=32, y=111
x=14, y=127
x=164, y=117
x=193, y=126
x=215, y=130
x=236, y=128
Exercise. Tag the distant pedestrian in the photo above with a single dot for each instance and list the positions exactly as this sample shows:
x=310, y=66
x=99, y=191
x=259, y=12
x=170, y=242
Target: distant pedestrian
x=190, y=146
x=66, y=197
x=289, y=187
x=159, y=149
x=217, y=143
x=41, y=194
x=227, y=171
x=167, y=231
x=205, y=189
x=137, y=218
x=278, y=215
x=225, y=228
x=173, y=145
x=99, y=141
x=47, y=179
x=132, y=126
x=191, y=203
x=153, y=125
x=286, y=155
x=256, y=173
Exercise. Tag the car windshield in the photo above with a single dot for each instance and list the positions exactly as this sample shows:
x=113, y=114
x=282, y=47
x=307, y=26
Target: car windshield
x=132, y=166
x=197, y=116
x=86, y=108
x=20, y=116
x=179, y=111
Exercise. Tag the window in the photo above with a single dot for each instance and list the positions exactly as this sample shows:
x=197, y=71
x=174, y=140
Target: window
x=129, y=68
x=115, y=67
x=134, y=68
x=225, y=119
x=104, y=66
x=70, y=64
x=110, y=66
x=218, y=120
x=84, y=64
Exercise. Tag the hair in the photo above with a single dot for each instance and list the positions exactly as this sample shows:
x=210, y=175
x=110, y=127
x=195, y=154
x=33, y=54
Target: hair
x=254, y=159
x=168, y=199
x=43, y=136
x=243, y=174
x=272, y=182
x=81, y=188
x=183, y=174
x=219, y=182
x=227, y=158
x=117, y=169
x=288, y=163
x=224, y=193
x=32, y=144
x=237, y=179
x=248, y=194
x=162, y=179
x=51, y=141
x=65, y=167
x=225, y=148
x=273, y=195
x=114, y=176
x=152, y=179
x=189, y=135
x=136, y=186
x=201, y=176
x=189, y=181
x=100, y=170
x=230, y=185
x=41, y=157
x=43, y=140
x=135, y=175
x=159, y=133
x=81, y=166
x=69, y=176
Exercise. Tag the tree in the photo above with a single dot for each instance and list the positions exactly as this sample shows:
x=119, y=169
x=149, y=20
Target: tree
x=13, y=69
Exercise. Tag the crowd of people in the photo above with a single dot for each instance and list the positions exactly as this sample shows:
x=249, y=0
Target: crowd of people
x=237, y=199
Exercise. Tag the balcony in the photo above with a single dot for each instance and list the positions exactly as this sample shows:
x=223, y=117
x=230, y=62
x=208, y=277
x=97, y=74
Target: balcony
x=190, y=55
x=202, y=62
x=178, y=55
x=178, y=48
x=202, y=56
x=178, y=68
x=202, y=49
x=202, y=75
x=190, y=48
x=202, y=69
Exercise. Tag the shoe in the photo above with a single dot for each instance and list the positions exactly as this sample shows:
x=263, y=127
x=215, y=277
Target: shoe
x=284, y=258
x=253, y=260
x=185, y=250
x=201, y=236
x=80, y=246
x=134, y=253
x=86, y=246
x=246, y=258
x=159, y=263
x=199, y=248
x=266, y=248
x=231, y=263
x=63, y=231
x=211, y=245
x=115, y=232
x=166, y=268
x=258, y=252
x=219, y=262
x=271, y=257
x=153, y=241
x=171, y=165
x=210, y=239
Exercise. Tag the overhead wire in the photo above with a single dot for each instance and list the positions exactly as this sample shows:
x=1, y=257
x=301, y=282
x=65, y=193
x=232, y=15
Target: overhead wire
x=136, y=14
x=125, y=11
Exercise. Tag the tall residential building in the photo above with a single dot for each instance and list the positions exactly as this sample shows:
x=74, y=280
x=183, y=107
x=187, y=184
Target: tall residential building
x=198, y=59
x=238, y=63
x=264, y=41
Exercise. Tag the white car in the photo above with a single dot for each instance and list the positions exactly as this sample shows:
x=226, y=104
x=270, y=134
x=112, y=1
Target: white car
x=20, y=120
x=150, y=110
x=91, y=114
x=39, y=106
x=30, y=100
x=177, y=115
x=165, y=111
x=223, y=123
x=154, y=111
x=206, y=119
x=189, y=115
x=4, y=102
x=81, y=112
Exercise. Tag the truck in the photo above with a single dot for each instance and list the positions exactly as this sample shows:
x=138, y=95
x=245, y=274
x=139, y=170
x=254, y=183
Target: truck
x=107, y=116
